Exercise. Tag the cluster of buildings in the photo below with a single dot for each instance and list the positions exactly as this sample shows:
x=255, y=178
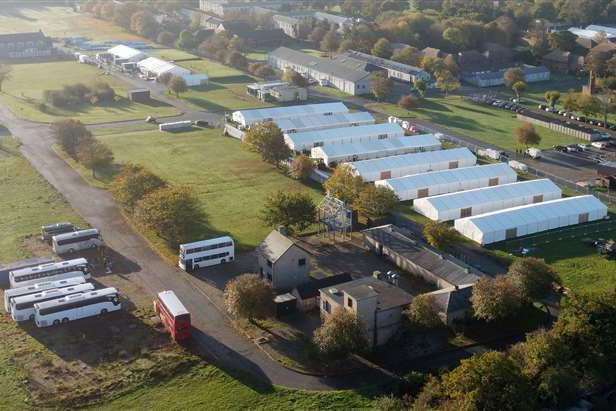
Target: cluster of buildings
x=30, y=45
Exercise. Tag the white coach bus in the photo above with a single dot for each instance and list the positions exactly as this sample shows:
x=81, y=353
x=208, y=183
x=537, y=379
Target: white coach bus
x=76, y=306
x=206, y=253
x=77, y=240
x=37, y=288
x=50, y=272
x=22, y=308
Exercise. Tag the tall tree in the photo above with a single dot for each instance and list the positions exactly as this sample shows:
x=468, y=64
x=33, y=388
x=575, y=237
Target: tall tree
x=421, y=87
x=177, y=85
x=70, y=134
x=563, y=40
x=301, y=167
x=344, y=185
x=248, y=296
x=534, y=277
x=293, y=210
x=513, y=75
x=527, y=135
x=408, y=55
x=440, y=235
x=552, y=97
x=518, y=88
x=94, y=155
x=144, y=24
x=382, y=48
x=376, y=202
x=341, y=334
x=496, y=298
x=294, y=77
x=133, y=184
x=382, y=86
x=267, y=139
x=330, y=42
x=423, y=312
x=447, y=82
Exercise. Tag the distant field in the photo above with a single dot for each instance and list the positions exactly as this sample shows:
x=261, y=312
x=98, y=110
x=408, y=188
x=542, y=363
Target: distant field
x=491, y=125
x=23, y=92
x=231, y=182
x=27, y=202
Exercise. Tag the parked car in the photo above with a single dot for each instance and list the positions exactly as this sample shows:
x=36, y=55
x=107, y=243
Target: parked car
x=150, y=119
x=560, y=148
x=573, y=148
x=583, y=147
x=542, y=106
x=600, y=144
x=201, y=123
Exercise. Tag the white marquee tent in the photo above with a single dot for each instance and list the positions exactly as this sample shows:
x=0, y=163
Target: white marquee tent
x=307, y=140
x=446, y=207
x=336, y=153
x=321, y=121
x=529, y=219
x=449, y=181
x=122, y=52
x=156, y=67
x=406, y=164
x=246, y=118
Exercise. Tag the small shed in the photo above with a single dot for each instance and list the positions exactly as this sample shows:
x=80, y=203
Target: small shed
x=285, y=304
x=141, y=95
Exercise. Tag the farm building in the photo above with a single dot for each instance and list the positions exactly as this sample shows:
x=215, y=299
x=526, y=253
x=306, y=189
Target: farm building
x=395, y=70
x=246, y=118
x=125, y=54
x=468, y=203
x=332, y=154
x=529, y=219
x=449, y=181
x=326, y=71
x=305, y=141
x=321, y=121
x=407, y=164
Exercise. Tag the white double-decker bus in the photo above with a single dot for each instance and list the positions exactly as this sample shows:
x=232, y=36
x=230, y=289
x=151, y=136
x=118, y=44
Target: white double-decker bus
x=37, y=288
x=206, y=253
x=76, y=306
x=77, y=240
x=50, y=272
x=22, y=308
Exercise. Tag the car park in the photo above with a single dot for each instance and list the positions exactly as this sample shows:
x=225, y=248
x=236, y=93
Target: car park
x=573, y=148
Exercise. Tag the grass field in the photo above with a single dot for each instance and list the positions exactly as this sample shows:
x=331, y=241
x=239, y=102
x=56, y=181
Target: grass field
x=27, y=202
x=58, y=22
x=231, y=182
x=23, y=92
x=493, y=126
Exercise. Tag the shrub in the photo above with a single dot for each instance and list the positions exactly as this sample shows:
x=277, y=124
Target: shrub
x=407, y=102
x=70, y=134
x=134, y=183
x=248, y=296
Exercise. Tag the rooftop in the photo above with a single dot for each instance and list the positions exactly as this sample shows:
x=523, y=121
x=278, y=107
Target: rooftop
x=379, y=62
x=27, y=36
x=452, y=299
x=275, y=246
x=311, y=289
x=388, y=296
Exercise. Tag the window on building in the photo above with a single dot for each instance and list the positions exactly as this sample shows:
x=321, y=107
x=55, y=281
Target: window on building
x=301, y=262
x=422, y=192
x=466, y=212
x=269, y=276
x=349, y=302
x=538, y=198
x=493, y=182
x=326, y=306
x=269, y=263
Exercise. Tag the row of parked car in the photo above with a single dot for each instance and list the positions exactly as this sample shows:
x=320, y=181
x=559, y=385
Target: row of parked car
x=572, y=116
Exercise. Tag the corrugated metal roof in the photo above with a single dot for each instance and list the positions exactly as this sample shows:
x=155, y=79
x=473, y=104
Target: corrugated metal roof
x=318, y=121
x=333, y=134
x=427, y=141
x=275, y=113
x=381, y=62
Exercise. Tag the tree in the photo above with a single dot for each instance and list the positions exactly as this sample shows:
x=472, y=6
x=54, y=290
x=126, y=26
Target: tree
x=527, y=135
x=292, y=76
x=607, y=98
x=301, y=167
x=513, y=75
x=456, y=37
x=144, y=24
x=165, y=78
x=407, y=102
x=518, y=88
x=570, y=102
x=433, y=65
x=563, y=40
x=376, y=202
x=134, y=183
x=237, y=60
x=557, y=388
x=588, y=105
x=5, y=74
x=439, y=235
x=177, y=85
x=123, y=13
x=264, y=71
x=496, y=298
x=423, y=312
x=451, y=65
x=237, y=44
x=186, y=40
x=267, y=140
x=382, y=86
x=534, y=277
x=544, y=9
x=94, y=155
x=345, y=45
x=446, y=82
x=293, y=210
x=341, y=334
x=330, y=42
x=166, y=38
x=170, y=212
x=408, y=55
x=421, y=87
x=382, y=48
x=70, y=134
x=552, y=97
x=596, y=62
x=317, y=35
x=344, y=185
x=248, y=296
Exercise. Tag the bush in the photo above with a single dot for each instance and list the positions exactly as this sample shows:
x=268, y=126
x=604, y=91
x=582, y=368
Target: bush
x=248, y=296
x=134, y=183
x=301, y=167
x=340, y=335
x=407, y=102
x=77, y=94
x=70, y=134
x=236, y=59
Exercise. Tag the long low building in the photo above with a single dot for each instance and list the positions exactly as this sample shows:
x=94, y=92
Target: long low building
x=332, y=154
x=468, y=203
x=530, y=219
x=246, y=118
x=322, y=121
x=395, y=70
x=449, y=181
x=305, y=141
x=407, y=164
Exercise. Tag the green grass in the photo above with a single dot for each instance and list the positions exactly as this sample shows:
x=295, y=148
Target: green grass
x=206, y=387
x=333, y=92
x=27, y=202
x=230, y=181
x=24, y=91
x=491, y=125
x=171, y=54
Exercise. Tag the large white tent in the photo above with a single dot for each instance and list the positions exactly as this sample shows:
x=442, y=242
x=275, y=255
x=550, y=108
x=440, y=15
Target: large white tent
x=332, y=154
x=449, y=181
x=125, y=53
x=529, y=219
x=406, y=164
x=446, y=207
x=246, y=118
x=322, y=121
x=307, y=140
x=156, y=67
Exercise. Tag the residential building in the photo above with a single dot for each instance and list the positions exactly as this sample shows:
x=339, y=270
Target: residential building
x=563, y=61
x=246, y=118
x=225, y=7
x=605, y=47
x=292, y=24
x=594, y=32
x=260, y=37
x=398, y=246
x=283, y=263
x=498, y=56
x=395, y=70
x=453, y=303
x=25, y=45
x=307, y=295
x=327, y=72
x=343, y=22
x=532, y=74
x=377, y=304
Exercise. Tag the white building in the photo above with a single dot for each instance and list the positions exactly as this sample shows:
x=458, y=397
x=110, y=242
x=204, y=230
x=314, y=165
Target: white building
x=593, y=31
x=305, y=141
x=331, y=154
x=153, y=66
x=468, y=203
x=529, y=219
x=407, y=164
x=126, y=54
x=246, y=118
x=321, y=121
x=449, y=181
